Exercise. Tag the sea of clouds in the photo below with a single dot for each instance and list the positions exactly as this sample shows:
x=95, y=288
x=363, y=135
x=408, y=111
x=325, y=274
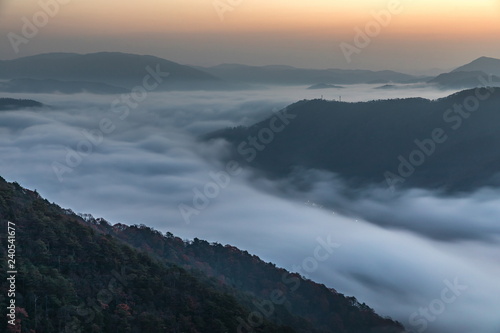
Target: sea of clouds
x=424, y=258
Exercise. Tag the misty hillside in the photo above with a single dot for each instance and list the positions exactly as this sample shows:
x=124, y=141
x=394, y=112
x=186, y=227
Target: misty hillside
x=80, y=274
x=112, y=68
x=15, y=104
x=287, y=75
x=462, y=80
x=480, y=72
x=482, y=64
x=413, y=142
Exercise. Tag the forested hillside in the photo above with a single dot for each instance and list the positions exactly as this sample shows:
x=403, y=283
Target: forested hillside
x=80, y=274
x=451, y=143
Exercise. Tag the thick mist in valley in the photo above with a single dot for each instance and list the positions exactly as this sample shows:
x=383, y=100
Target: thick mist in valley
x=402, y=252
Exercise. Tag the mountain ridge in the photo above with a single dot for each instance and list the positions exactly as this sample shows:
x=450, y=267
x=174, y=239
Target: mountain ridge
x=463, y=79
x=484, y=64
x=123, y=70
x=288, y=75
x=364, y=142
x=89, y=275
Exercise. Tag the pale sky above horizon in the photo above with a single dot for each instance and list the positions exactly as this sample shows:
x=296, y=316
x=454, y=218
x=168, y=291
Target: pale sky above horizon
x=421, y=34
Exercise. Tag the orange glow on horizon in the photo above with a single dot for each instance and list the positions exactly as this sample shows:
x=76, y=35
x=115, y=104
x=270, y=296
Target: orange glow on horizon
x=259, y=26
x=98, y=16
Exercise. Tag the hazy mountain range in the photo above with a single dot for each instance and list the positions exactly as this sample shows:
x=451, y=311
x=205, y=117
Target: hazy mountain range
x=461, y=80
x=115, y=69
x=480, y=72
x=111, y=72
x=482, y=64
x=288, y=75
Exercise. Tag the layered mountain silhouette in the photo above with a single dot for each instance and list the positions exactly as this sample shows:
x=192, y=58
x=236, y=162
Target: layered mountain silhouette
x=80, y=274
x=452, y=143
x=461, y=80
x=482, y=64
x=111, y=68
x=112, y=72
x=287, y=75
x=480, y=72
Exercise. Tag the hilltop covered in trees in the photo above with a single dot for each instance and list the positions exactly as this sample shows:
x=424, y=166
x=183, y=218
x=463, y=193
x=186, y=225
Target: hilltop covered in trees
x=80, y=274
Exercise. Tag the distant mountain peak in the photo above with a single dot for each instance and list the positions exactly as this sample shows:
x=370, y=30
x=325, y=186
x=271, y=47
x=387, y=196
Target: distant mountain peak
x=123, y=70
x=486, y=58
x=484, y=64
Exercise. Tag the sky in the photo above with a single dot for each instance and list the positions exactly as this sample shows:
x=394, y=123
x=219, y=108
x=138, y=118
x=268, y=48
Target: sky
x=410, y=35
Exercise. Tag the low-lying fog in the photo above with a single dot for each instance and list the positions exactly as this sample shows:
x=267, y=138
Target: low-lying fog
x=429, y=261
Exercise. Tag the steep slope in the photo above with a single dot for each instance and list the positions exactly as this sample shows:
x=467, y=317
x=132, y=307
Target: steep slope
x=74, y=279
x=324, y=309
x=84, y=275
x=450, y=143
x=117, y=69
